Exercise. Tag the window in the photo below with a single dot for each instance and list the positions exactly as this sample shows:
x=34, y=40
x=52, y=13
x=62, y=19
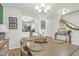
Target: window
x=2, y=35
x=43, y=24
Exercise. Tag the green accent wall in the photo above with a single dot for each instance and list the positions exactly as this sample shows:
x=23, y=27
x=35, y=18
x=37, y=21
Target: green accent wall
x=1, y=14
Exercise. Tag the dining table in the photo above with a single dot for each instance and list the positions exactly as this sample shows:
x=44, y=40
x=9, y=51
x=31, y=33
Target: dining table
x=53, y=48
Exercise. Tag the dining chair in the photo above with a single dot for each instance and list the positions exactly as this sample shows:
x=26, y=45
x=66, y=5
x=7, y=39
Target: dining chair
x=4, y=47
x=25, y=51
x=35, y=38
x=62, y=32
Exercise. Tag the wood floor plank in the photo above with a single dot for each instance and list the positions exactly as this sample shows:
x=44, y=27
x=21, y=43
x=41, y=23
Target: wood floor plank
x=14, y=52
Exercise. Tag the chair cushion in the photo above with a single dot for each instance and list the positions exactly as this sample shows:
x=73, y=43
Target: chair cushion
x=3, y=51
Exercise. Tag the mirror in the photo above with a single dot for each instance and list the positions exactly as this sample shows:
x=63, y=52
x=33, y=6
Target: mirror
x=26, y=26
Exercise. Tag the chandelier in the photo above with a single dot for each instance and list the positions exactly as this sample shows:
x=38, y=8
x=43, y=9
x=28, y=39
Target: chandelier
x=42, y=9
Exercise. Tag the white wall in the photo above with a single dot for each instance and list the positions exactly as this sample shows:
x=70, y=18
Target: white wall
x=14, y=35
x=47, y=24
x=73, y=18
x=52, y=25
x=37, y=21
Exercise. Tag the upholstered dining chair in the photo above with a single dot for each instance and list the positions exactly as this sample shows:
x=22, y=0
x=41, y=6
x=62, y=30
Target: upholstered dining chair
x=64, y=32
x=25, y=50
x=4, y=47
x=35, y=38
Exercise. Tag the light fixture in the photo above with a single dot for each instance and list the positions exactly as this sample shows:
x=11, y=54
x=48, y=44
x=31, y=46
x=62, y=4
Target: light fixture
x=26, y=18
x=42, y=9
x=63, y=11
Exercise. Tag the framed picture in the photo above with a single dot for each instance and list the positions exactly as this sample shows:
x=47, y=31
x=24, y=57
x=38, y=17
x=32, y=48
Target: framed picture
x=26, y=27
x=12, y=22
x=13, y=26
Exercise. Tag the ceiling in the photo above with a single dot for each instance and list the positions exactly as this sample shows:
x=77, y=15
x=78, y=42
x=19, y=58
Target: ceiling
x=29, y=8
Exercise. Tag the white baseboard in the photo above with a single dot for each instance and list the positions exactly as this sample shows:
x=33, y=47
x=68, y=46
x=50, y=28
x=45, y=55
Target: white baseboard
x=14, y=47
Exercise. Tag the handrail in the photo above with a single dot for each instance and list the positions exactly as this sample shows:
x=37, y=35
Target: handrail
x=71, y=27
x=71, y=23
x=66, y=22
x=71, y=12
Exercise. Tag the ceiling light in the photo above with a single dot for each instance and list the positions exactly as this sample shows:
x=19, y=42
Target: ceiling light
x=63, y=11
x=42, y=5
x=48, y=7
x=42, y=9
x=37, y=7
x=45, y=11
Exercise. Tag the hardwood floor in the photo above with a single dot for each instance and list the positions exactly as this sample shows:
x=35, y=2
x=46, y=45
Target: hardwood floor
x=14, y=52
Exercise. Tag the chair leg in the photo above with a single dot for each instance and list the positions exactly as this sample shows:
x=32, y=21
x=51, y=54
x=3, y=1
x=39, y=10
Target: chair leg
x=69, y=38
x=55, y=36
x=21, y=53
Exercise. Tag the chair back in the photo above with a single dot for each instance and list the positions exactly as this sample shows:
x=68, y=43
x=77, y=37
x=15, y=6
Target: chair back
x=25, y=49
x=62, y=30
